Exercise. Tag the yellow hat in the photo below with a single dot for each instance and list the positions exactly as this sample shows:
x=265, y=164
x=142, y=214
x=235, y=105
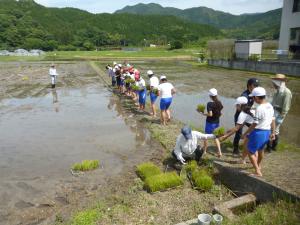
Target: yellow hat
x=280, y=77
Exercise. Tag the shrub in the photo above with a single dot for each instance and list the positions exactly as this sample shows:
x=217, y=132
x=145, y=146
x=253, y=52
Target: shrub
x=219, y=131
x=201, y=108
x=146, y=170
x=176, y=45
x=162, y=182
x=86, y=165
x=202, y=180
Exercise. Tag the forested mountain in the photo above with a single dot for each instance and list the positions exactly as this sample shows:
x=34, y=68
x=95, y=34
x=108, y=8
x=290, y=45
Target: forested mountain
x=258, y=25
x=27, y=24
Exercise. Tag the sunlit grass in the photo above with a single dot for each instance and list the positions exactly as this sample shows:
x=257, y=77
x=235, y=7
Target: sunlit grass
x=162, y=182
x=87, y=217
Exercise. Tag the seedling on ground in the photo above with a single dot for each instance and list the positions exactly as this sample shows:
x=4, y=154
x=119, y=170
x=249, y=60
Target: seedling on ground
x=191, y=166
x=162, y=182
x=146, y=170
x=202, y=180
x=86, y=165
x=201, y=108
x=219, y=131
x=87, y=217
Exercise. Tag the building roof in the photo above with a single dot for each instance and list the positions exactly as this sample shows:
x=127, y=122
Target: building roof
x=253, y=40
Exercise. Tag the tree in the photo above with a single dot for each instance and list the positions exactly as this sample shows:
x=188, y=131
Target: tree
x=176, y=45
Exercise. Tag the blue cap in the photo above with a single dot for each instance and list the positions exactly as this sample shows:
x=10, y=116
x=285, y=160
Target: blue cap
x=253, y=81
x=187, y=132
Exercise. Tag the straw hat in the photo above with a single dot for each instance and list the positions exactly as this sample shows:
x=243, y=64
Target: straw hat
x=280, y=77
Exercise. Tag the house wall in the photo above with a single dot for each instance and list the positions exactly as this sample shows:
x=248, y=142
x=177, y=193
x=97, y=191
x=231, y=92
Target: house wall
x=288, y=20
x=255, y=48
x=241, y=50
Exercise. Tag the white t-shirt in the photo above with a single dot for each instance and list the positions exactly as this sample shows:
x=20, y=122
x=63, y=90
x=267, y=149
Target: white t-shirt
x=245, y=118
x=52, y=72
x=154, y=82
x=264, y=115
x=165, y=90
x=141, y=83
x=189, y=146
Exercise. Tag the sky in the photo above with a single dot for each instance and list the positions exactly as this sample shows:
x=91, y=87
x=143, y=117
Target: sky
x=232, y=6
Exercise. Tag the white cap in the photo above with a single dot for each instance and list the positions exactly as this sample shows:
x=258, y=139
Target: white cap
x=163, y=77
x=213, y=92
x=258, y=91
x=241, y=101
x=120, y=65
x=115, y=63
x=150, y=72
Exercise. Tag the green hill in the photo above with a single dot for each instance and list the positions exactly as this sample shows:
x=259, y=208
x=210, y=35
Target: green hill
x=27, y=24
x=258, y=25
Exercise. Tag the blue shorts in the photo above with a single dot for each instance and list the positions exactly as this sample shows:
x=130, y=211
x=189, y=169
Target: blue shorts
x=153, y=97
x=165, y=103
x=210, y=127
x=122, y=82
x=118, y=81
x=257, y=140
x=142, y=97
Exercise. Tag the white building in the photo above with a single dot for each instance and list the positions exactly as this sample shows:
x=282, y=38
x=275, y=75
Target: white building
x=245, y=48
x=290, y=27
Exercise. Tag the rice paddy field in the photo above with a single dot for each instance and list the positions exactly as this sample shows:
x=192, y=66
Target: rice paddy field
x=45, y=132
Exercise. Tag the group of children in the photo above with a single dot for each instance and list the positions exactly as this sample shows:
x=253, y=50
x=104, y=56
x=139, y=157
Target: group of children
x=130, y=82
x=252, y=110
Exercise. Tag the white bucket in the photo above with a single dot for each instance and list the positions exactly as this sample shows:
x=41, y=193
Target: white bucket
x=204, y=219
x=218, y=219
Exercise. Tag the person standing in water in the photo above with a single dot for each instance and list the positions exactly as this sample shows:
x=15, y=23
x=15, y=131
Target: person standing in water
x=281, y=103
x=166, y=91
x=53, y=75
x=213, y=115
x=154, y=83
x=140, y=82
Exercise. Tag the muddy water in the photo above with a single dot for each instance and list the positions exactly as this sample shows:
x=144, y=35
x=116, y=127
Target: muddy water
x=41, y=137
x=194, y=82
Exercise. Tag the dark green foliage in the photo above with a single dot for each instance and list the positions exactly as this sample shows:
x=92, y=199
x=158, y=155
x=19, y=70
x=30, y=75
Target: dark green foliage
x=259, y=25
x=146, y=170
x=162, y=182
x=176, y=45
x=27, y=24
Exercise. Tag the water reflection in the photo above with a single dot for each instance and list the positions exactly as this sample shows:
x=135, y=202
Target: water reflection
x=55, y=100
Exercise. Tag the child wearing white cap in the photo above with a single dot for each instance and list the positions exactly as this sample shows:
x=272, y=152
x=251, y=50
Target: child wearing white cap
x=245, y=118
x=259, y=132
x=213, y=115
x=166, y=91
x=53, y=75
x=154, y=83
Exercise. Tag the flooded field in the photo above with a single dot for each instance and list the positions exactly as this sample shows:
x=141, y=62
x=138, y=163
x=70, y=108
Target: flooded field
x=41, y=137
x=193, y=84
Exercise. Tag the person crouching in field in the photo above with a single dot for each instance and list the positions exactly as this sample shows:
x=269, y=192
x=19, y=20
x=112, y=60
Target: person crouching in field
x=259, y=133
x=154, y=83
x=166, y=91
x=213, y=115
x=187, y=147
x=53, y=75
x=245, y=118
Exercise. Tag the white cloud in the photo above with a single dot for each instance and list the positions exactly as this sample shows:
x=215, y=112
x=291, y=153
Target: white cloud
x=231, y=6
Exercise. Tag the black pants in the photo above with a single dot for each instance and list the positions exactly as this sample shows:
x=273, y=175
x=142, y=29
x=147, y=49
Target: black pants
x=195, y=156
x=238, y=135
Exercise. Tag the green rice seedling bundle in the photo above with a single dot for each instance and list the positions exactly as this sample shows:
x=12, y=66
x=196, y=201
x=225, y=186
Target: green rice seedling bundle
x=86, y=165
x=155, y=91
x=135, y=87
x=148, y=87
x=191, y=166
x=146, y=170
x=162, y=182
x=201, y=108
x=201, y=180
x=128, y=80
x=219, y=131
